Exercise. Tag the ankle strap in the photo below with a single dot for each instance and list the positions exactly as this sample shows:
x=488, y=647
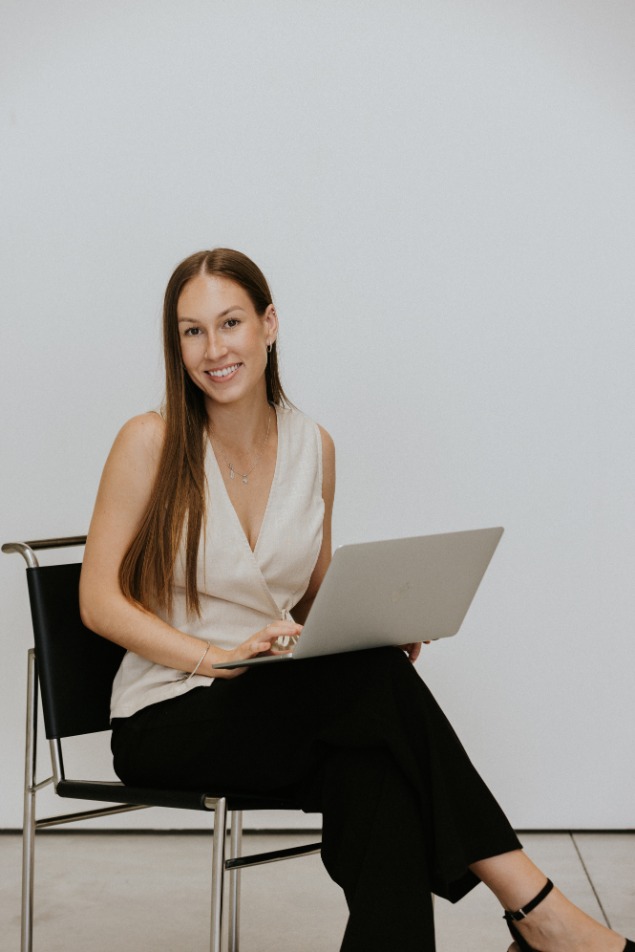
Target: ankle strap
x=517, y=916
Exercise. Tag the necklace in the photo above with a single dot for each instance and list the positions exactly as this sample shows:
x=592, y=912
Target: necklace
x=234, y=472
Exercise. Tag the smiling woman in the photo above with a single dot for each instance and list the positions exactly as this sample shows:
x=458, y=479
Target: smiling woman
x=224, y=341
x=210, y=538
x=219, y=331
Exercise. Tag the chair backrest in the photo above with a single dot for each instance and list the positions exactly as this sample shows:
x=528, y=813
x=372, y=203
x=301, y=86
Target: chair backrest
x=76, y=667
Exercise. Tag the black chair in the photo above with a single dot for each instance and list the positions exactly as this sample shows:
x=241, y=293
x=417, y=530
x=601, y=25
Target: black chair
x=73, y=669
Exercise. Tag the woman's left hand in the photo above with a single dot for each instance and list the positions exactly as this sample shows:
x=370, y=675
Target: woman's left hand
x=413, y=650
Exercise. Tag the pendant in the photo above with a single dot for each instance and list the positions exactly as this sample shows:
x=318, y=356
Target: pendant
x=232, y=474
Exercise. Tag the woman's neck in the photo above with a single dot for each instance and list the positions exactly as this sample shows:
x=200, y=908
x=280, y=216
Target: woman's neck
x=240, y=426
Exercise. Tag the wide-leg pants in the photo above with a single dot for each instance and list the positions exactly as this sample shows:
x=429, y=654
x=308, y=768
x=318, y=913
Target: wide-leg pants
x=359, y=738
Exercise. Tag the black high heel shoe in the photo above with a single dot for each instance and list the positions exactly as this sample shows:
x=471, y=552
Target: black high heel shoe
x=513, y=917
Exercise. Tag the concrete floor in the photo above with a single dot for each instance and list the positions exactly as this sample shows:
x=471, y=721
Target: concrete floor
x=150, y=893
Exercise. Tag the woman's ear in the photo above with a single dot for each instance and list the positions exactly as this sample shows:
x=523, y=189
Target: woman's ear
x=270, y=319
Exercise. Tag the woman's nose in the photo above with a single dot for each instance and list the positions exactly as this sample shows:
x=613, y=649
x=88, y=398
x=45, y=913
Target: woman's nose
x=215, y=347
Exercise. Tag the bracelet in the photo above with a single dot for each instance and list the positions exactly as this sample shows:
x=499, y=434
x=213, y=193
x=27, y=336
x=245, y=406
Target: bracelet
x=200, y=662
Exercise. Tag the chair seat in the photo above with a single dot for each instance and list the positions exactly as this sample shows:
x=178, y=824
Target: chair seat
x=116, y=792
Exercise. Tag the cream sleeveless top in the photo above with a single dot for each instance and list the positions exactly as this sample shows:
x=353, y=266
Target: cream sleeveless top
x=241, y=590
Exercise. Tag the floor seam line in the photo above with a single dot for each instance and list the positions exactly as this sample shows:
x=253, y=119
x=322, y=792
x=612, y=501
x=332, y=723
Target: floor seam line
x=590, y=881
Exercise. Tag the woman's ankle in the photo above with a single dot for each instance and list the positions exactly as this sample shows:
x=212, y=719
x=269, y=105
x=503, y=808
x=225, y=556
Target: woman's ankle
x=512, y=877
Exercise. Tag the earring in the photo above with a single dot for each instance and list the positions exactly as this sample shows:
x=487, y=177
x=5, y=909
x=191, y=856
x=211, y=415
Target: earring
x=269, y=348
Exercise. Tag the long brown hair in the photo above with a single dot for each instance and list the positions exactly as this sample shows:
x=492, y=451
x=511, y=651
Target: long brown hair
x=178, y=495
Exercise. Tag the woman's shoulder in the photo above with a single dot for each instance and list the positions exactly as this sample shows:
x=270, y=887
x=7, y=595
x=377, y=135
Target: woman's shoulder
x=296, y=418
x=312, y=430
x=147, y=427
x=142, y=436
x=129, y=475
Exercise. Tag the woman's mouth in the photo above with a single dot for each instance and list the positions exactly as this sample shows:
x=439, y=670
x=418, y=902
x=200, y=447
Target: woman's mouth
x=224, y=373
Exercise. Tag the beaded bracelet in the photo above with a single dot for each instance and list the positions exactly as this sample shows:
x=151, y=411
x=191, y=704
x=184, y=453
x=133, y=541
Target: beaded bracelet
x=200, y=662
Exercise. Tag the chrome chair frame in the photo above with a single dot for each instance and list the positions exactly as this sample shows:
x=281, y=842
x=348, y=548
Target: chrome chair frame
x=226, y=857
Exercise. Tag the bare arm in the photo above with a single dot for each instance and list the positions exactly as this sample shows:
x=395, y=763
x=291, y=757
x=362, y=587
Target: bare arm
x=123, y=496
x=301, y=610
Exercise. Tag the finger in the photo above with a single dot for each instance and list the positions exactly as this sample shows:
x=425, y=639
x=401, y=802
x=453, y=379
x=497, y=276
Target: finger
x=415, y=651
x=282, y=628
x=258, y=647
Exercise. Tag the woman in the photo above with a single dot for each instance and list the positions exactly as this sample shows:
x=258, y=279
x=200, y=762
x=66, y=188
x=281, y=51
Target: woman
x=210, y=538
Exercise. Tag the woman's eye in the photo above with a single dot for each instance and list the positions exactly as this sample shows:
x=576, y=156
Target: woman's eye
x=232, y=322
x=192, y=332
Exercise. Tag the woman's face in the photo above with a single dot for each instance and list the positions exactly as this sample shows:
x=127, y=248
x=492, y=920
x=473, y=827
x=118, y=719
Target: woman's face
x=223, y=339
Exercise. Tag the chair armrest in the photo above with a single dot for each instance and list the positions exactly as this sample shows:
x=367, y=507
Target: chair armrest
x=27, y=549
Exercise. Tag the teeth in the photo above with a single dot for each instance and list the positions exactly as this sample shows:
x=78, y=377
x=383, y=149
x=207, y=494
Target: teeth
x=223, y=373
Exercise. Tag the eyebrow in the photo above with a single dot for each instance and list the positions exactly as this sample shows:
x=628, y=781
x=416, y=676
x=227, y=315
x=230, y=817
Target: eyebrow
x=195, y=320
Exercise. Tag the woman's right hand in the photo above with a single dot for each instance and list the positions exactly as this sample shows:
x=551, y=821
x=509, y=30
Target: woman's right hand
x=263, y=642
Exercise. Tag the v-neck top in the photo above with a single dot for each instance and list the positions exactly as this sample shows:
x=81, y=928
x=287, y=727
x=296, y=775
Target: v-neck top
x=240, y=590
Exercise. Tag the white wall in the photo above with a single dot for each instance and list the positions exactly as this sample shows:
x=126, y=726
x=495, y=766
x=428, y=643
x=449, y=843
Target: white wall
x=442, y=195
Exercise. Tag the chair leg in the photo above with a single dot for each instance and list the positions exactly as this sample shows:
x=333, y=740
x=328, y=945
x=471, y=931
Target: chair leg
x=218, y=873
x=234, y=880
x=28, y=827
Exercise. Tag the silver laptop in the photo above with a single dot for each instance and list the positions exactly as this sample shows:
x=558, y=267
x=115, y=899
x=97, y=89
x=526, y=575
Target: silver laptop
x=392, y=593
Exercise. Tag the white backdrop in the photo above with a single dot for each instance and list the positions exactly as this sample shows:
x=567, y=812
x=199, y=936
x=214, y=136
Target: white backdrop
x=442, y=194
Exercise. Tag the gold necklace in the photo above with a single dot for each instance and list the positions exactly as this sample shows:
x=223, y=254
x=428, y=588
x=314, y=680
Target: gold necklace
x=234, y=472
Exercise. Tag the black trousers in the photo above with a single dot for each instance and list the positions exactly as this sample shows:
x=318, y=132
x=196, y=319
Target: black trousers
x=359, y=738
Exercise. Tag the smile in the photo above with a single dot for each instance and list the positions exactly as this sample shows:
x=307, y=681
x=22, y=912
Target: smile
x=225, y=372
